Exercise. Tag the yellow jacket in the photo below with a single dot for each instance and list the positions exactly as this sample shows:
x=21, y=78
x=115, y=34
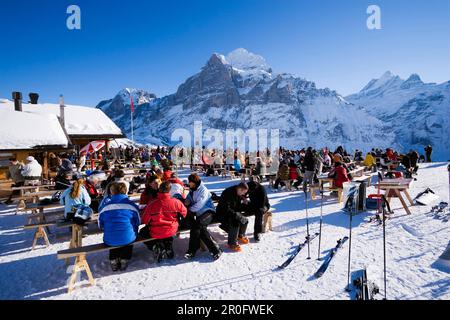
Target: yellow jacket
x=369, y=161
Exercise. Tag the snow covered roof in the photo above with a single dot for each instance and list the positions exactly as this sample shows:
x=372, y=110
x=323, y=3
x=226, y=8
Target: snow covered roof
x=79, y=120
x=25, y=130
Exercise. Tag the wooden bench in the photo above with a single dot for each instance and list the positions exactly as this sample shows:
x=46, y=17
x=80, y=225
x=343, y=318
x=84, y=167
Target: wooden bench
x=271, y=177
x=323, y=179
x=227, y=170
x=81, y=262
x=40, y=232
x=80, y=253
x=365, y=178
x=197, y=168
x=358, y=172
x=340, y=192
x=33, y=196
x=42, y=225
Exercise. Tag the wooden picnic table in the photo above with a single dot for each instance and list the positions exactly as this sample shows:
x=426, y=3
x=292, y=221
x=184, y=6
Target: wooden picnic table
x=38, y=210
x=395, y=188
x=358, y=172
x=77, y=230
x=23, y=189
x=40, y=222
x=33, y=196
x=323, y=179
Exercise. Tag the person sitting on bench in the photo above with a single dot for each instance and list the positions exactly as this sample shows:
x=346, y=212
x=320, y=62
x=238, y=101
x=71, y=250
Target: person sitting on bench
x=14, y=173
x=257, y=206
x=73, y=196
x=369, y=162
x=91, y=184
x=151, y=190
x=119, y=218
x=161, y=218
x=200, y=215
x=229, y=213
x=339, y=175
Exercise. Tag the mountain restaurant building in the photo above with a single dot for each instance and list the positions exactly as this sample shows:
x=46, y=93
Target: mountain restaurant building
x=40, y=129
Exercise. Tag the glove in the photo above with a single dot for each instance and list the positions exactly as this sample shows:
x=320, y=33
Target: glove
x=242, y=219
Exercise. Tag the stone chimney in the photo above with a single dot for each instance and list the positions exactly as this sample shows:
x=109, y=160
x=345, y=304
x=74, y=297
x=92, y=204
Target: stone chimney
x=17, y=97
x=33, y=98
x=61, y=111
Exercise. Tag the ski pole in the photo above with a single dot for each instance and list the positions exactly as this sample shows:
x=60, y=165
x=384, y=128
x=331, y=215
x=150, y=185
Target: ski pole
x=384, y=243
x=320, y=225
x=349, y=248
x=307, y=220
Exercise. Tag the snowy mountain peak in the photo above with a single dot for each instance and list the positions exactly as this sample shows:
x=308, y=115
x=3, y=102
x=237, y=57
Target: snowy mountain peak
x=386, y=76
x=139, y=96
x=244, y=60
x=217, y=58
x=414, y=78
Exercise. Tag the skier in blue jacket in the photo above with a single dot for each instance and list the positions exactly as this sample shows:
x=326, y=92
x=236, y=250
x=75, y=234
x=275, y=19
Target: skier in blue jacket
x=119, y=218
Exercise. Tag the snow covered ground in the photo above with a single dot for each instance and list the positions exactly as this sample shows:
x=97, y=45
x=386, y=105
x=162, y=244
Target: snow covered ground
x=413, y=245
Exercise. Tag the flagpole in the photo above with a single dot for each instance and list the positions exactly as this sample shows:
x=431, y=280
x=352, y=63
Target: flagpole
x=132, y=126
x=131, y=116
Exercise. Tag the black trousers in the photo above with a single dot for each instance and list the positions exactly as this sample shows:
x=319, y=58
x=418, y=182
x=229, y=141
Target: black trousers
x=259, y=214
x=236, y=229
x=199, y=232
x=121, y=253
x=95, y=203
x=15, y=192
x=166, y=243
x=277, y=183
x=298, y=182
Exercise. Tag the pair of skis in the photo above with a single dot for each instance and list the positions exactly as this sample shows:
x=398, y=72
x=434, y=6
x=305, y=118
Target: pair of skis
x=297, y=250
x=309, y=237
x=330, y=257
x=327, y=260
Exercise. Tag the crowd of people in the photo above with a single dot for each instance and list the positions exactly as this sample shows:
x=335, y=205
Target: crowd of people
x=167, y=204
x=302, y=167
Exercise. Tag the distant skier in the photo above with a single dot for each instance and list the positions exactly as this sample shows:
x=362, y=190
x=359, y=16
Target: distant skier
x=309, y=166
x=428, y=150
x=414, y=158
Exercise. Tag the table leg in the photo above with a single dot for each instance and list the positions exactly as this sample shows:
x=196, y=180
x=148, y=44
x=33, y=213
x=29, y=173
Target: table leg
x=387, y=192
x=42, y=217
x=79, y=236
x=73, y=243
x=402, y=201
x=408, y=196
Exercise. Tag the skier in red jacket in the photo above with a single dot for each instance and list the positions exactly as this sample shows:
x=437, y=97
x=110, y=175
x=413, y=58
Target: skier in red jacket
x=161, y=219
x=339, y=174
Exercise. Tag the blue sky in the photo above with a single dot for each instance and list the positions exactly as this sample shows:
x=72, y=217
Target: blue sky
x=156, y=45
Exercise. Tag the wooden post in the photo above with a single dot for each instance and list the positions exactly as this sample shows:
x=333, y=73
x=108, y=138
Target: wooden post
x=73, y=241
x=107, y=144
x=40, y=233
x=79, y=266
x=45, y=166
